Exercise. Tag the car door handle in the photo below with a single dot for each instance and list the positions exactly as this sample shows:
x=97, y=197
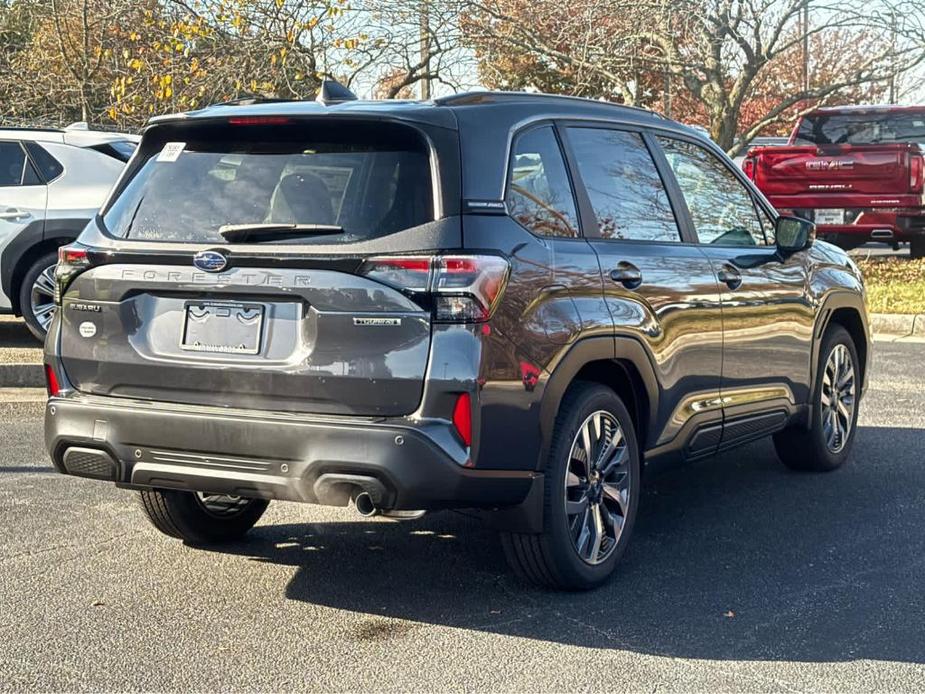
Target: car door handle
x=14, y=215
x=626, y=274
x=729, y=276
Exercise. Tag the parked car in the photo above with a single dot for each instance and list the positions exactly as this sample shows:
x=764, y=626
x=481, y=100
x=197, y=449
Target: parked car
x=51, y=183
x=501, y=301
x=856, y=171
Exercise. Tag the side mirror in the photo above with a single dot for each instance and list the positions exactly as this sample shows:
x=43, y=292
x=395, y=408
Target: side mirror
x=794, y=234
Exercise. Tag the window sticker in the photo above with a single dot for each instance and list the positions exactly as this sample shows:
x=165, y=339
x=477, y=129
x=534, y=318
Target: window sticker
x=171, y=151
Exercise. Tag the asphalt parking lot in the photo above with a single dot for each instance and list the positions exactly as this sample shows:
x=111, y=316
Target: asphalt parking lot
x=741, y=576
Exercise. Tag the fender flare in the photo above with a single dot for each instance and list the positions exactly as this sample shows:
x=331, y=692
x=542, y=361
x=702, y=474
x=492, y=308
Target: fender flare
x=835, y=300
x=528, y=516
x=627, y=350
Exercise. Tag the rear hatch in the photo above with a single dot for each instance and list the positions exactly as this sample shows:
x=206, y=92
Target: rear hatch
x=231, y=267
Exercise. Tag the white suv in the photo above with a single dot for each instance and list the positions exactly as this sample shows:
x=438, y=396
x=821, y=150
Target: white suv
x=51, y=184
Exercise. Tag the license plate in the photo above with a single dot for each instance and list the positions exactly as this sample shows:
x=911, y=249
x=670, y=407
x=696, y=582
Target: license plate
x=223, y=326
x=830, y=216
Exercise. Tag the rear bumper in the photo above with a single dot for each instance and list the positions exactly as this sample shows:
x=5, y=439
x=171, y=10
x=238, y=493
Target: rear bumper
x=144, y=445
x=883, y=224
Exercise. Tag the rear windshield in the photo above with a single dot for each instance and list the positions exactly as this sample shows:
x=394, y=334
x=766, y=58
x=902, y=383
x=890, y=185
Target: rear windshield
x=861, y=128
x=368, y=180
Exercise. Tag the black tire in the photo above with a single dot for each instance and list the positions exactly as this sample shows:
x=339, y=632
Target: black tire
x=551, y=558
x=917, y=247
x=186, y=516
x=37, y=326
x=809, y=450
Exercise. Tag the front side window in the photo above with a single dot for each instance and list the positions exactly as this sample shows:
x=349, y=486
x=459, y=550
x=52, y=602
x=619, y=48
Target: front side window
x=12, y=164
x=626, y=191
x=353, y=182
x=722, y=209
x=539, y=193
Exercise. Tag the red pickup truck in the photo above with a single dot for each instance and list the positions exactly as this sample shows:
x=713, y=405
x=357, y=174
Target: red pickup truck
x=856, y=171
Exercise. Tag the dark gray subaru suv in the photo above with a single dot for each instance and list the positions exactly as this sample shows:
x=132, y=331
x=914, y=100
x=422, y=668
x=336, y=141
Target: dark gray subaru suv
x=509, y=302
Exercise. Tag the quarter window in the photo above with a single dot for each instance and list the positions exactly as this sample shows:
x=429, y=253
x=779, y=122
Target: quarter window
x=625, y=189
x=12, y=164
x=722, y=209
x=539, y=195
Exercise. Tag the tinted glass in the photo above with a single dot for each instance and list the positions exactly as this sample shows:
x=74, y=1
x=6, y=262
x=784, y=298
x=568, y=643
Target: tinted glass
x=721, y=207
x=861, y=128
x=370, y=181
x=12, y=163
x=539, y=195
x=49, y=167
x=626, y=191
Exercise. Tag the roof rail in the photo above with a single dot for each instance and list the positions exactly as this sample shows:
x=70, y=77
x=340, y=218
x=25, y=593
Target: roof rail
x=31, y=128
x=490, y=96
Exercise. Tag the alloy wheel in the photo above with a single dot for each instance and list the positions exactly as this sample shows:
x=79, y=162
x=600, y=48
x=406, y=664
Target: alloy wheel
x=42, y=297
x=597, y=487
x=838, y=398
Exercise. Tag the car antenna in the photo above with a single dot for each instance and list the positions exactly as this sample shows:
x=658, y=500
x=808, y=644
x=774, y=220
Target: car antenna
x=333, y=92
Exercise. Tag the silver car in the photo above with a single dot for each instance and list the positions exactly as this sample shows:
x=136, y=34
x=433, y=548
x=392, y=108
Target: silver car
x=51, y=184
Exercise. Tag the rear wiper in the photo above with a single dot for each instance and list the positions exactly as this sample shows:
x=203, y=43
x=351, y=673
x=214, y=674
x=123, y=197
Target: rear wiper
x=239, y=233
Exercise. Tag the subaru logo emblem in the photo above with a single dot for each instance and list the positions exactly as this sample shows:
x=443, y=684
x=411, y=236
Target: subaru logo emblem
x=210, y=261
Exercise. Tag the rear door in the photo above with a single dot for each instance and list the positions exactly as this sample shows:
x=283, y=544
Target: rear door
x=22, y=203
x=660, y=289
x=181, y=310
x=767, y=310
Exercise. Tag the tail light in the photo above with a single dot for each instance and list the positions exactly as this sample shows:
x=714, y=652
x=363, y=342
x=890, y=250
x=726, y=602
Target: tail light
x=465, y=288
x=72, y=260
x=51, y=381
x=748, y=167
x=259, y=120
x=462, y=418
x=916, y=173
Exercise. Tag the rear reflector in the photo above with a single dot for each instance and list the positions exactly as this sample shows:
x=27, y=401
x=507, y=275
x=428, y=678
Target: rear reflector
x=51, y=381
x=462, y=418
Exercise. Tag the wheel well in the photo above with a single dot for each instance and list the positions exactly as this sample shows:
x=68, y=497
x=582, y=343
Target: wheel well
x=624, y=379
x=850, y=320
x=25, y=262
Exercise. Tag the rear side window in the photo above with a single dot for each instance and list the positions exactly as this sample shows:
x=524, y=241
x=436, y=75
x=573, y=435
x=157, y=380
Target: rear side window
x=49, y=167
x=12, y=164
x=371, y=180
x=625, y=189
x=721, y=207
x=539, y=194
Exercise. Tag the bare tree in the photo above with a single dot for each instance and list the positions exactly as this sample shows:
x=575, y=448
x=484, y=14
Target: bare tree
x=718, y=50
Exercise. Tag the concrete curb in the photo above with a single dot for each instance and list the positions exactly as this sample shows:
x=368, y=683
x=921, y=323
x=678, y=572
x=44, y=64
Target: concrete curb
x=22, y=376
x=890, y=327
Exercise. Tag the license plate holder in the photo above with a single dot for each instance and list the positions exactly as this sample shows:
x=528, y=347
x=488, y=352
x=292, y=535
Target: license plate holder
x=222, y=327
x=830, y=217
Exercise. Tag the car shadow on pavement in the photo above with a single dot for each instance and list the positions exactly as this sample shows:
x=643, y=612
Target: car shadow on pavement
x=734, y=558
x=15, y=334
